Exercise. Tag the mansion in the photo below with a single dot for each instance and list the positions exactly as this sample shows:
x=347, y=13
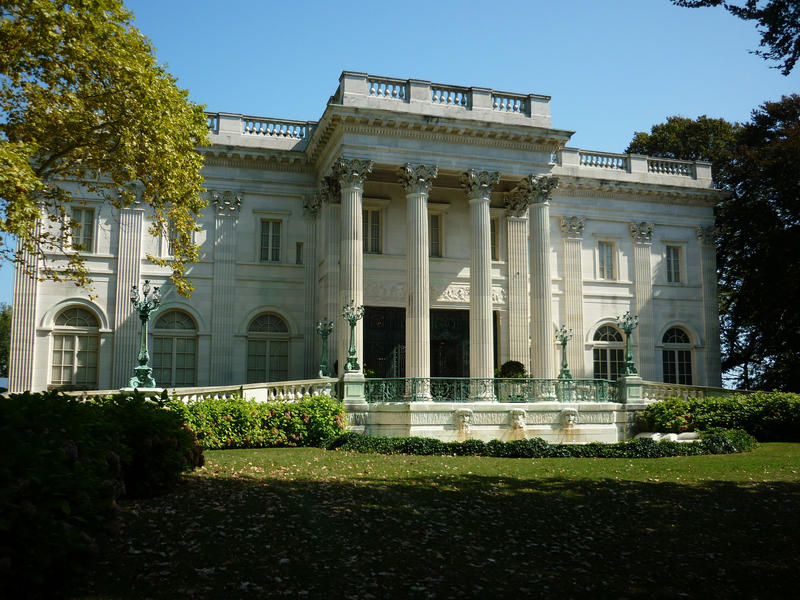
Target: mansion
x=457, y=216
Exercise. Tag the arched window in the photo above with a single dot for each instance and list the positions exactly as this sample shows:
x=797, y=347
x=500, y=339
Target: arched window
x=608, y=353
x=677, y=356
x=267, y=349
x=175, y=350
x=75, y=349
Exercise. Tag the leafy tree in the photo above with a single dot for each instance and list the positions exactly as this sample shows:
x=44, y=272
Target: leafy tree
x=5, y=337
x=758, y=258
x=82, y=99
x=778, y=23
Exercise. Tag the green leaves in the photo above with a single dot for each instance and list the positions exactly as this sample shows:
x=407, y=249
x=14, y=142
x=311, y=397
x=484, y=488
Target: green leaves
x=83, y=98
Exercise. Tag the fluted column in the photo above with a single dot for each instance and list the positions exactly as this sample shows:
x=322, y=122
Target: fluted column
x=126, y=322
x=416, y=181
x=642, y=234
x=542, y=340
x=331, y=226
x=572, y=238
x=351, y=175
x=21, y=361
x=478, y=186
x=226, y=206
x=708, y=273
x=518, y=277
x=311, y=210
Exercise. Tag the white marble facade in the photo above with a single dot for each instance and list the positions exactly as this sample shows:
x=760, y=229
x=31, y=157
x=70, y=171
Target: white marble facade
x=407, y=197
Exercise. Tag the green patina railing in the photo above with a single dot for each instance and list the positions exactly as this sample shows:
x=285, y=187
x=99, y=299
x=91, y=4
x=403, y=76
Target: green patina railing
x=442, y=389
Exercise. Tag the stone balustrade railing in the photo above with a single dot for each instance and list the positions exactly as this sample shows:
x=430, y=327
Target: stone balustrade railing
x=600, y=162
x=603, y=160
x=653, y=391
x=510, y=103
x=666, y=166
x=213, y=122
x=450, y=95
x=387, y=87
x=281, y=128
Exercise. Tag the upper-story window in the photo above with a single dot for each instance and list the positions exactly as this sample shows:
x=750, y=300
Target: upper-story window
x=371, y=225
x=435, y=223
x=494, y=225
x=76, y=345
x=673, y=260
x=677, y=356
x=606, y=260
x=82, y=230
x=270, y=246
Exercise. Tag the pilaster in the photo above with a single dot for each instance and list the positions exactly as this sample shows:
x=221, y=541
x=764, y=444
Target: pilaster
x=226, y=206
x=23, y=323
x=416, y=181
x=518, y=279
x=311, y=211
x=708, y=274
x=126, y=321
x=331, y=307
x=478, y=186
x=351, y=175
x=642, y=234
x=572, y=239
x=539, y=189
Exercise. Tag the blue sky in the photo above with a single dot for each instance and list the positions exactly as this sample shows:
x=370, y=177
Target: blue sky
x=612, y=67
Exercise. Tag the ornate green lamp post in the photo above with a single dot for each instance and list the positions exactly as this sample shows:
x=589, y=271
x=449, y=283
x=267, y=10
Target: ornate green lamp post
x=352, y=314
x=628, y=323
x=144, y=304
x=324, y=329
x=564, y=335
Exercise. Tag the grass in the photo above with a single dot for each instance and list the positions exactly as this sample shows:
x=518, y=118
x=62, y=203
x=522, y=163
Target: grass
x=306, y=523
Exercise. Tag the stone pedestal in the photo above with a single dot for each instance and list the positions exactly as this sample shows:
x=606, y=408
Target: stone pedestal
x=629, y=389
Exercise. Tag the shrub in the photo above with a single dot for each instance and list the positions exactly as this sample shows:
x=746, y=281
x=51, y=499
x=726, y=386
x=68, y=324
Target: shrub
x=769, y=416
x=511, y=369
x=240, y=423
x=713, y=442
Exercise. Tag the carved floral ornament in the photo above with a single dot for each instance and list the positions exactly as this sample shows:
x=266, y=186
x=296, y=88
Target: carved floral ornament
x=311, y=205
x=572, y=227
x=329, y=190
x=533, y=189
x=707, y=234
x=642, y=233
x=352, y=172
x=226, y=203
x=479, y=184
x=417, y=179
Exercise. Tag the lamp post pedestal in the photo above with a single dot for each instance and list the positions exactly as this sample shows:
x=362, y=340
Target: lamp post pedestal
x=145, y=304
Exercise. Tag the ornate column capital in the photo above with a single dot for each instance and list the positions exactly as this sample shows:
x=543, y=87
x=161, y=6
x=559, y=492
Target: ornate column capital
x=642, y=233
x=572, y=227
x=311, y=205
x=226, y=204
x=417, y=179
x=329, y=190
x=479, y=184
x=352, y=172
x=707, y=234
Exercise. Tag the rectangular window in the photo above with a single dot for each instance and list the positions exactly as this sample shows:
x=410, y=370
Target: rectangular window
x=673, y=264
x=608, y=363
x=267, y=360
x=605, y=261
x=677, y=366
x=74, y=361
x=270, y=241
x=493, y=232
x=371, y=229
x=83, y=229
x=436, y=235
x=298, y=257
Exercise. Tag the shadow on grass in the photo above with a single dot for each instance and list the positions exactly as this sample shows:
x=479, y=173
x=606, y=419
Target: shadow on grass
x=456, y=537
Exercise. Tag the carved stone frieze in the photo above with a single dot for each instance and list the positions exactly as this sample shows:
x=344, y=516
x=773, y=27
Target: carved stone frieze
x=311, y=205
x=642, y=233
x=377, y=289
x=352, y=172
x=461, y=293
x=707, y=235
x=572, y=227
x=226, y=203
x=417, y=179
x=479, y=184
x=597, y=417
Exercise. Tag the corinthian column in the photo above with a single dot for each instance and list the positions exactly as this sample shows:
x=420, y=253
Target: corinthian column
x=541, y=188
x=572, y=238
x=708, y=273
x=517, y=202
x=351, y=175
x=642, y=234
x=478, y=185
x=417, y=183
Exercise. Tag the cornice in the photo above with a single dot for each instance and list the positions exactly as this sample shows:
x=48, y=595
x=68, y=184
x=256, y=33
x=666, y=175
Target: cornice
x=244, y=158
x=623, y=190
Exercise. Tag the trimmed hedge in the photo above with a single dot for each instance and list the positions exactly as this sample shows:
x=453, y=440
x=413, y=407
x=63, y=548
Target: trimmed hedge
x=63, y=464
x=712, y=442
x=239, y=423
x=768, y=416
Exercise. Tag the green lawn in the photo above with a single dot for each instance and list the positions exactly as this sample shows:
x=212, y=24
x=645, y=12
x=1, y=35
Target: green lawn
x=306, y=523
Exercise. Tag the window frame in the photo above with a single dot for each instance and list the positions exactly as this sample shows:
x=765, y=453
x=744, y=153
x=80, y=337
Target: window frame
x=677, y=354
x=174, y=335
x=605, y=348
x=267, y=340
x=82, y=230
x=75, y=333
x=270, y=247
x=367, y=233
x=613, y=258
x=680, y=247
